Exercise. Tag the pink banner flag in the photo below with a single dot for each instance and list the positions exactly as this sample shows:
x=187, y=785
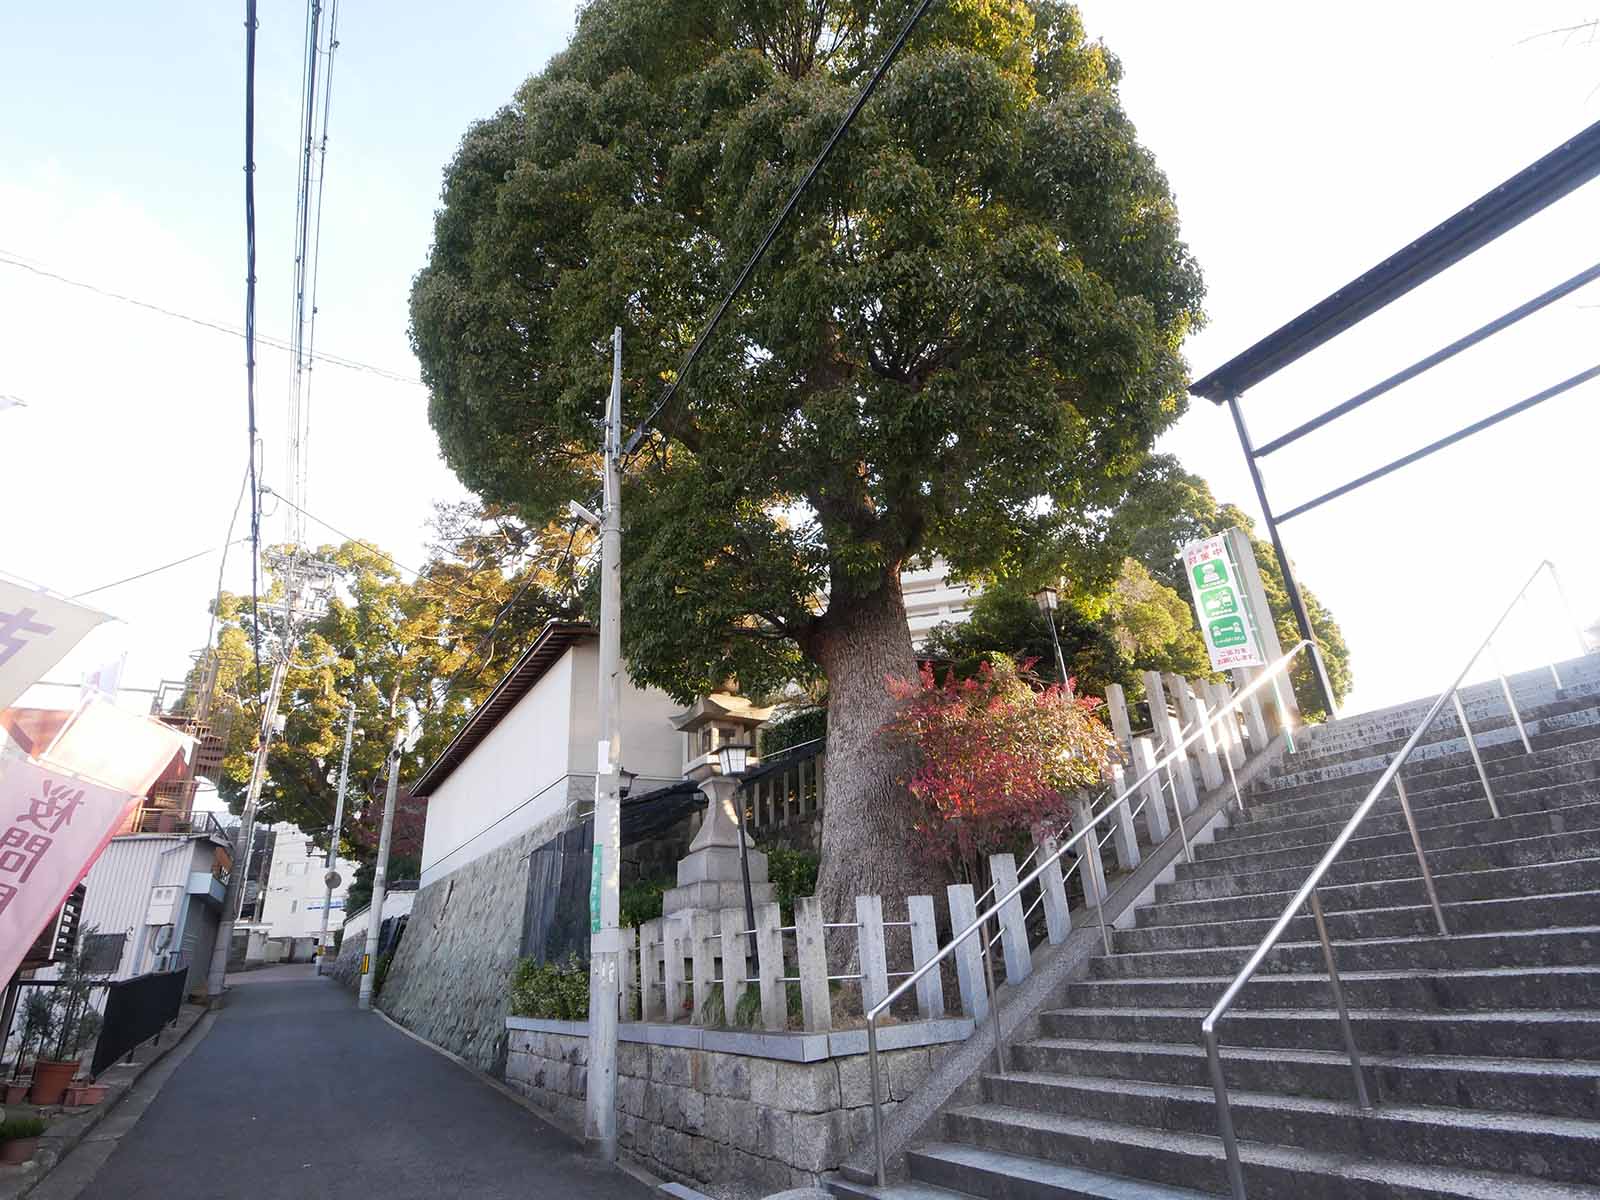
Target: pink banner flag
x=53, y=825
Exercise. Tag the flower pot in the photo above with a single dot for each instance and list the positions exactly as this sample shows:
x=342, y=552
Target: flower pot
x=17, y=1091
x=50, y=1080
x=18, y=1150
x=81, y=1095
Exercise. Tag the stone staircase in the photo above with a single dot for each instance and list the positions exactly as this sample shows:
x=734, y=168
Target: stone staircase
x=1482, y=1049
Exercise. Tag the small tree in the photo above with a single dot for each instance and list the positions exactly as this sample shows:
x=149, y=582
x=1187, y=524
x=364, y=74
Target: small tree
x=38, y=1024
x=996, y=758
x=75, y=1023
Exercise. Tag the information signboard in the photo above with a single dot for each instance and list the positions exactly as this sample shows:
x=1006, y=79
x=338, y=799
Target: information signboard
x=1219, y=605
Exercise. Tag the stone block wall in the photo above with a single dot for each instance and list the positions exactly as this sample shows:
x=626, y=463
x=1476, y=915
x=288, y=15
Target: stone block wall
x=451, y=978
x=736, y=1126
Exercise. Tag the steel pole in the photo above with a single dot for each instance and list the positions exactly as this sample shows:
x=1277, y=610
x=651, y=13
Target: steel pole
x=605, y=942
x=380, y=871
x=1301, y=617
x=247, y=824
x=333, y=839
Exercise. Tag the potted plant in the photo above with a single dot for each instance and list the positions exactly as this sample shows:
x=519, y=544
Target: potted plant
x=76, y=1027
x=19, y=1138
x=38, y=1024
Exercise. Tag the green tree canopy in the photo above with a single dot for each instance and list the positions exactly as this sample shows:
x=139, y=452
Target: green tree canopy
x=969, y=334
x=433, y=646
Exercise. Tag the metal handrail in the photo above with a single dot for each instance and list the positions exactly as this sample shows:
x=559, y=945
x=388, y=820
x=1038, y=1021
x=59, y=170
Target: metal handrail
x=1269, y=674
x=1308, y=890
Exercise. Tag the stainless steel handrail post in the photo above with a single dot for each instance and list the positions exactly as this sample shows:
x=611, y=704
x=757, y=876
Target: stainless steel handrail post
x=1238, y=796
x=877, y=1110
x=1511, y=703
x=1422, y=858
x=1177, y=819
x=1284, y=723
x=1334, y=984
x=994, y=997
x=1572, y=618
x=1097, y=871
x=1472, y=745
x=1230, y=1143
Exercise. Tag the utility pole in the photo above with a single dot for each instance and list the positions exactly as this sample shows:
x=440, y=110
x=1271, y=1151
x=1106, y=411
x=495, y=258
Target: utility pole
x=328, y=878
x=380, y=870
x=605, y=942
x=247, y=828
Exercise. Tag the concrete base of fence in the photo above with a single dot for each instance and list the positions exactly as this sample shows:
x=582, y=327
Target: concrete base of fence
x=737, y=1113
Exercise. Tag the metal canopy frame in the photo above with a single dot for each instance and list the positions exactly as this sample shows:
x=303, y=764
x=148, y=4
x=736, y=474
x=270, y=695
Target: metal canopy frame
x=1530, y=191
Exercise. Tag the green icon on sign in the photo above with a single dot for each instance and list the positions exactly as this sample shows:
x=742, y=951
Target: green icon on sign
x=1219, y=602
x=1210, y=573
x=1227, y=633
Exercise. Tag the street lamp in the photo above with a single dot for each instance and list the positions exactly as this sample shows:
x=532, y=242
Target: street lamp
x=625, y=780
x=732, y=757
x=1047, y=598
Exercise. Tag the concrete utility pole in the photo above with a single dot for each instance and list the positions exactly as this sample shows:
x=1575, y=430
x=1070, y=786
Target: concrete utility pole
x=380, y=876
x=247, y=829
x=605, y=942
x=333, y=839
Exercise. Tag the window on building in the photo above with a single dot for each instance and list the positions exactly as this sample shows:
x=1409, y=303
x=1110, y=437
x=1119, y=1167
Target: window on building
x=294, y=906
x=102, y=953
x=295, y=868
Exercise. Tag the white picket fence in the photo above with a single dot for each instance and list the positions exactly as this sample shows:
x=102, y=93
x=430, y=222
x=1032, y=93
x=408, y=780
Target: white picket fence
x=677, y=963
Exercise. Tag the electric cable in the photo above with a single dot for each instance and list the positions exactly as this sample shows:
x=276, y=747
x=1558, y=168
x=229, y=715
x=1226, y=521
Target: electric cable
x=250, y=322
x=188, y=558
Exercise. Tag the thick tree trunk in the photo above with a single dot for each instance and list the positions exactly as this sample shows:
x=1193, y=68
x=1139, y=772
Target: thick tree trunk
x=867, y=843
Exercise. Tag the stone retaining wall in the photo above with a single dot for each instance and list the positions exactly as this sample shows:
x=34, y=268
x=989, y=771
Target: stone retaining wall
x=450, y=980
x=736, y=1125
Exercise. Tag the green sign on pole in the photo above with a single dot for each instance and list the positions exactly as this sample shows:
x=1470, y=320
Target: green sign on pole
x=594, y=889
x=1229, y=636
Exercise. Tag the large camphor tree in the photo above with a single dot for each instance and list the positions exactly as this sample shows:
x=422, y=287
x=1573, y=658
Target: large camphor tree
x=967, y=336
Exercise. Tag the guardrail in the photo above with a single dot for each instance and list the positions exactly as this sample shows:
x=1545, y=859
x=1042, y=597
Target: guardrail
x=1308, y=890
x=1206, y=723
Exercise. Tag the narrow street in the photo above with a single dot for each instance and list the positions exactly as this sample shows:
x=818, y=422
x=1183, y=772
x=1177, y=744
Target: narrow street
x=296, y=1093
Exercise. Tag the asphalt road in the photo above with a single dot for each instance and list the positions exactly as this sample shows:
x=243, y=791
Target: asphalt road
x=294, y=1093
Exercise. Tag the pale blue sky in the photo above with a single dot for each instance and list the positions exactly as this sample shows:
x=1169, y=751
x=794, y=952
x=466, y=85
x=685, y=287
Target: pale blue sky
x=1302, y=151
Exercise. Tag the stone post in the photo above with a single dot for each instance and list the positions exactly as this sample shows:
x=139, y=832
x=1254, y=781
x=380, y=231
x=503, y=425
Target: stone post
x=1167, y=727
x=1232, y=744
x=1013, y=927
x=703, y=938
x=1155, y=803
x=969, y=954
x=1123, y=835
x=812, y=954
x=673, y=934
x=629, y=991
x=873, y=953
x=769, y=969
x=924, y=945
x=1094, y=870
x=1195, y=713
x=1057, y=918
x=653, y=1003
x=1117, y=711
x=735, y=970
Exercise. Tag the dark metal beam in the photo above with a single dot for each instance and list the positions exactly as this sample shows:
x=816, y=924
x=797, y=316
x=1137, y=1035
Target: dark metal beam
x=1531, y=190
x=1458, y=435
x=1564, y=288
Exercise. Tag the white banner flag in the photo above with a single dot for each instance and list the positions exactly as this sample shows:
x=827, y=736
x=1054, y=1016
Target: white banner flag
x=53, y=826
x=36, y=631
x=121, y=749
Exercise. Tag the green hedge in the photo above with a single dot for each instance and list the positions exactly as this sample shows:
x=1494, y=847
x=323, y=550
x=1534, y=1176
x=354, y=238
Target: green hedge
x=556, y=991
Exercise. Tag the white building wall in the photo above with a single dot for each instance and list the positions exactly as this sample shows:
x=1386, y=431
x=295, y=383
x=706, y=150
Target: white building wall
x=541, y=753
x=395, y=904
x=292, y=906
x=931, y=599
x=119, y=887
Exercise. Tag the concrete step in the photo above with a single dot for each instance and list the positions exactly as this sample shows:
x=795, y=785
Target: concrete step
x=1526, y=1033
x=1483, y=719
x=1462, y=917
x=1569, y=746
x=1191, y=1159
x=1567, y=1149
x=1483, y=990
x=1445, y=860
x=1543, y=790
x=1566, y=875
x=1000, y=1176
x=1482, y=829
x=1571, y=947
x=1521, y=1085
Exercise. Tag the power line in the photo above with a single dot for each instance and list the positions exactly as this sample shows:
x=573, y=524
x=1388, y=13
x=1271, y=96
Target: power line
x=156, y=570
x=250, y=321
x=11, y=259
x=778, y=223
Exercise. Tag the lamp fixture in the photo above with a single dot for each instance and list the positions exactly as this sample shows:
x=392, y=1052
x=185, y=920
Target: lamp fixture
x=732, y=758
